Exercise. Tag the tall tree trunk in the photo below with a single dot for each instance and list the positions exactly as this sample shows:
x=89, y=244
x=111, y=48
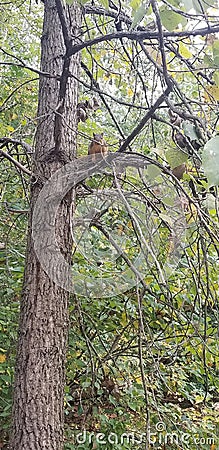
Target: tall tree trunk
x=40, y=369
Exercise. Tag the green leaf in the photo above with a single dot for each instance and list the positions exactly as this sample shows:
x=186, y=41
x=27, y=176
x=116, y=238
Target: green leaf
x=153, y=171
x=171, y=19
x=166, y=219
x=135, y=4
x=208, y=61
x=104, y=3
x=200, y=5
x=211, y=161
x=175, y=3
x=175, y=157
x=81, y=2
x=215, y=48
x=188, y=4
x=139, y=15
x=189, y=130
x=216, y=77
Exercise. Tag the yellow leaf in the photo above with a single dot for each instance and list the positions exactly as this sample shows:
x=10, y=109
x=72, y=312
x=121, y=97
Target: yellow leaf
x=213, y=91
x=191, y=214
x=2, y=358
x=10, y=128
x=124, y=320
x=136, y=324
x=213, y=447
x=130, y=92
x=184, y=51
x=149, y=279
x=138, y=380
x=120, y=229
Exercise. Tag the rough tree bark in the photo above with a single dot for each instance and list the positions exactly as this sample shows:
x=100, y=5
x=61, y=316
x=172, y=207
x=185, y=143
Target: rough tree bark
x=37, y=419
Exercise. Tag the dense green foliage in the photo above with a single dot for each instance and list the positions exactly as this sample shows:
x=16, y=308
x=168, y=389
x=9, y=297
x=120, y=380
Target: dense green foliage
x=140, y=361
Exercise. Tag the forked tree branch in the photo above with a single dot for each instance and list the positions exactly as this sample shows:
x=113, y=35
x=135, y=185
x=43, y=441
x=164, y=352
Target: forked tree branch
x=6, y=140
x=142, y=35
x=15, y=162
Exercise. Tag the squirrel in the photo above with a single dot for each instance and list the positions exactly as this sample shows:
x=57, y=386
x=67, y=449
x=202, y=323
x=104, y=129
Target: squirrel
x=85, y=108
x=98, y=145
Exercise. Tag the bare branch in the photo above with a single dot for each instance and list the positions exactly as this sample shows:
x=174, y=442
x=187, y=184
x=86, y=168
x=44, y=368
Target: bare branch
x=145, y=119
x=100, y=91
x=65, y=74
x=65, y=28
x=15, y=90
x=96, y=84
x=142, y=35
x=16, y=211
x=161, y=40
x=15, y=162
x=22, y=64
x=6, y=140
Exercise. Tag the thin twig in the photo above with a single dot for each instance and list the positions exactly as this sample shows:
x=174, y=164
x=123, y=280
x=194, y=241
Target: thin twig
x=16, y=163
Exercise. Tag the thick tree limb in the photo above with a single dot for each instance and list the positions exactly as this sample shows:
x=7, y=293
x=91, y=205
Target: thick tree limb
x=142, y=35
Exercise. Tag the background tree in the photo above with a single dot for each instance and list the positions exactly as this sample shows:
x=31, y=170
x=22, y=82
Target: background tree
x=138, y=357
